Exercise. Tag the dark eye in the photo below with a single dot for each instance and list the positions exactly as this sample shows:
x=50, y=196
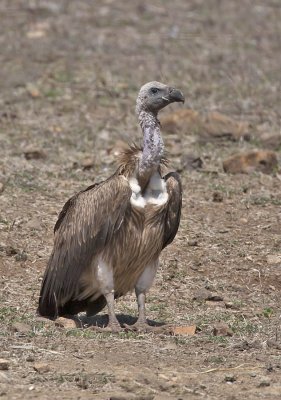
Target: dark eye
x=154, y=90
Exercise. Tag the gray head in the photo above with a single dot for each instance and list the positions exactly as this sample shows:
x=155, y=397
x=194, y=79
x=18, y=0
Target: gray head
x=154, y=96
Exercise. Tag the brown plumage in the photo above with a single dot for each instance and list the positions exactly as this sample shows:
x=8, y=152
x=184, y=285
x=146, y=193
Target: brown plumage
x=108, y=238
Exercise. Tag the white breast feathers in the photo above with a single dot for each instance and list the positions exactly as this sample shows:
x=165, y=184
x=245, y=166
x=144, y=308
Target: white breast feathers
x=155, y=193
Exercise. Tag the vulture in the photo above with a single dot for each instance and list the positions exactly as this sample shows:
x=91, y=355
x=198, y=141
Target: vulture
x=108, y=237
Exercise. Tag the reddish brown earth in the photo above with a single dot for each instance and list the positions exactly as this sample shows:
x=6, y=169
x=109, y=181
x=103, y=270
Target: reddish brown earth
x=69, y=75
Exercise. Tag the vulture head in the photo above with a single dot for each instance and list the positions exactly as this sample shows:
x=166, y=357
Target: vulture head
x=154, y=96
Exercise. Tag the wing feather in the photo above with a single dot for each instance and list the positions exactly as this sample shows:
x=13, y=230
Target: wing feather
x=85, y=225
x=173, y=214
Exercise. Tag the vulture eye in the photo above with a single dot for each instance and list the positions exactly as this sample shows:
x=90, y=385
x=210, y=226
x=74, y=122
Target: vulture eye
x=154, y=90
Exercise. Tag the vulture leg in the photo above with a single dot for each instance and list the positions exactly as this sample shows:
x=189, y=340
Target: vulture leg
x=113, y=323
x=143, y=285
x=106, y=284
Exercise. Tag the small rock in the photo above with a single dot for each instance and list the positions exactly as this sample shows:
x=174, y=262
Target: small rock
x=41, y=368
x=21, y=327
x=1, y=187
x=230, y=304
x=87, y=163
x=222, y=329
x=4, y=364
x=22, y=256
x=202, y=295
x=230, y=378
x=264, y=383
x=192, y=243
x=215, y=297
x=191, y=162
x=272, y=259
x=184, y=330
x=257, y=160
x=66, y=323
x=34, y=154
x=271, y=141
x=253, y=374
x=32, y=90
x=217, y=197
x=30, y=358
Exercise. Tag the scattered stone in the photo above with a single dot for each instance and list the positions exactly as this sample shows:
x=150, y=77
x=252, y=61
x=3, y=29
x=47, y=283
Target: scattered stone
x=222, y=329
x=87, y=163
x=204, y=294
x=264, y=383
x=184, y=330
x=201, y=295
x=230, y=378
x=253, y=374
x=1, y=187
x=230, y=304
x=217, y=197
x=66, y=323
x=193, y=243
x=41, y=368
x=32, y=90
x=272, y=259
x=271, y=141
x=191, y=162
x=22, y=256
x=30, y=358
x=4, y=364
x=257, y=160
x=21, y=328
x=215, y=297
x=34, y=154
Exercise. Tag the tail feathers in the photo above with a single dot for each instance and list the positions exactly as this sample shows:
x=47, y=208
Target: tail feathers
x=48, y=306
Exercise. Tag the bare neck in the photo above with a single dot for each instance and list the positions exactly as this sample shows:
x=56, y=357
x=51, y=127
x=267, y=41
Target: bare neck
x=153, y=146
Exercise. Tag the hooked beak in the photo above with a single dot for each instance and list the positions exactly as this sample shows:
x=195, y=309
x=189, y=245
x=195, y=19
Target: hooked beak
x=175, y=95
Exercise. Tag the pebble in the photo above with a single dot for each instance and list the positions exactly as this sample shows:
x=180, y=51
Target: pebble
x=4, y=364
x=222, y=329
x=41, y=368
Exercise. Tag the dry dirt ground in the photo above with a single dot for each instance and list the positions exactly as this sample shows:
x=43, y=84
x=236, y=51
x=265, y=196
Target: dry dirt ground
x=69, y=75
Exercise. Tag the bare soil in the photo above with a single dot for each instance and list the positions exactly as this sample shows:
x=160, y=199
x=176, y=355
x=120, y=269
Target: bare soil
x=70, y=72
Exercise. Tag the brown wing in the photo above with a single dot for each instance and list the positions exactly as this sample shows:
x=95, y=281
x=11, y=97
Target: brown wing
x=85, y=225
x=173, y=213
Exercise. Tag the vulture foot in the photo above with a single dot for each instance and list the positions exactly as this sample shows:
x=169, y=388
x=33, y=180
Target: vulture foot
x=140, y=326
x=112, y=328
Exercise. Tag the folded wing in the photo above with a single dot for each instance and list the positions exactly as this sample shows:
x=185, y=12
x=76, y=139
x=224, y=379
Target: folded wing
x=84, y=227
